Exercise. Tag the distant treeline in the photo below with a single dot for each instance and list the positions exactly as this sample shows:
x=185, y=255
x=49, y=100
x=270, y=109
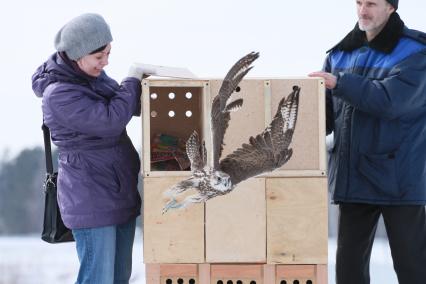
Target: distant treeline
x=22, y=197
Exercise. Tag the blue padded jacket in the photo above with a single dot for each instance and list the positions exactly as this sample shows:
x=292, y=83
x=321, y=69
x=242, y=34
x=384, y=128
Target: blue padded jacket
x=378, y=115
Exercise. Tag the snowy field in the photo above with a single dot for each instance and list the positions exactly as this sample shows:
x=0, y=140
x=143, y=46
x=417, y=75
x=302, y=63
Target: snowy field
x=28, y=260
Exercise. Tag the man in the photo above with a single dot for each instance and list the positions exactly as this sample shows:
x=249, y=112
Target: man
x=376, y=107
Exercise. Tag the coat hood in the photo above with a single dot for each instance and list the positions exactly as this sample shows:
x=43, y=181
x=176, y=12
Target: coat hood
x=58, y=68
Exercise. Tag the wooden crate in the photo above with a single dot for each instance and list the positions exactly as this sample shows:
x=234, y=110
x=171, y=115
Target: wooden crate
x=236, y=224
x=236, y=274
x=266, y=219
x=261, y=98
x=297, y=231
x=174, y=237
x=156, y=105
x=171, y=274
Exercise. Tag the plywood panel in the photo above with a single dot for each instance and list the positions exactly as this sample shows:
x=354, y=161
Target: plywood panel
x=261, y=98
x=156, y=110
x=176, y=236
x=236, y=224
x=309, y=137
x=180, y=125
x=249, y=120
x=297, y=220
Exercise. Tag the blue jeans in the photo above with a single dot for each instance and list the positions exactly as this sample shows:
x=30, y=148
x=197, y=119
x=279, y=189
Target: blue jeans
x=105, y=253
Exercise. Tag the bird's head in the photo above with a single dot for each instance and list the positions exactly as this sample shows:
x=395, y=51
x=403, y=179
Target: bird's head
x=220, y=181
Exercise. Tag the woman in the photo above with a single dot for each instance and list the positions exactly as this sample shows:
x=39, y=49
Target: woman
x=87, y=113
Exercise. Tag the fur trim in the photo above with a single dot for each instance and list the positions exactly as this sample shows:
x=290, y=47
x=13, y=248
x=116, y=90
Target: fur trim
x=385, y=41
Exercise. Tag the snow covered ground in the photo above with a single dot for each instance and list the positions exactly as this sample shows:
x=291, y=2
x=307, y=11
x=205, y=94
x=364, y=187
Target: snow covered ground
x=28, y=260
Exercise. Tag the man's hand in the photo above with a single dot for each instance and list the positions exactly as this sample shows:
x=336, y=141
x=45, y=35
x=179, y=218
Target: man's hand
x=329, y=79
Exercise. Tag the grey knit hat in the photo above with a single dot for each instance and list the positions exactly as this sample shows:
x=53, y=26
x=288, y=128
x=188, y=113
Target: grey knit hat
x=82, y=35
x=394, y=3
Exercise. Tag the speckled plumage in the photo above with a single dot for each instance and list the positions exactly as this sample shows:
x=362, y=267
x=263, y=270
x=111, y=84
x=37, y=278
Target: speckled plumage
x=265, y=152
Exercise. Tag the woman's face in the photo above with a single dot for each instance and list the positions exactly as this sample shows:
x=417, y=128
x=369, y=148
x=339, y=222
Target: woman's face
x=93, y=64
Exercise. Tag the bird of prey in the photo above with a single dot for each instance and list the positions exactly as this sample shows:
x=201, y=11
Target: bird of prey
x=266, y=152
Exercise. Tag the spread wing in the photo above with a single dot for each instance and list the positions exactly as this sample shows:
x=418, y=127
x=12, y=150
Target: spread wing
x=196, y=152
x=268, y=150
x=222, y=105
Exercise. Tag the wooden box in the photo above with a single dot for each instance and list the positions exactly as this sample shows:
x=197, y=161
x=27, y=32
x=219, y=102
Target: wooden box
x=236, y=224
x=267, y=219
x=167, y=110
x=235, y=274
x=297, y=220
x=171, y=238
x=175, y=108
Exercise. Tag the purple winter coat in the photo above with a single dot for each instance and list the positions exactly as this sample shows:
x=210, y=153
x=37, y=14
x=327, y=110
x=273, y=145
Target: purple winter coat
x=98, y=165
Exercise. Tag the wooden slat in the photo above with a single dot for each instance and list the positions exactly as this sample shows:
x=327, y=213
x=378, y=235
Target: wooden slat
x=179, y=270
x=321, y=126
x=146, y=130
x=168, y=174
x=176, y=82
x=321, y=274
x=152, y=272
x=295, y=271
x=204, y=273
x=269, y=271
x=236, y=271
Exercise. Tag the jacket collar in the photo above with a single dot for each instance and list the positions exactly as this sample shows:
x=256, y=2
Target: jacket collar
x=73, y=64
x=385, y=41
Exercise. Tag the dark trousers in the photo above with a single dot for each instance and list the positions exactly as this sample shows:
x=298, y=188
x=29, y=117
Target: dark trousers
x=406, y=230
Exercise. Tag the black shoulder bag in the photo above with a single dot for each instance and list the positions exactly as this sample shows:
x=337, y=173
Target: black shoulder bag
x=54, y=230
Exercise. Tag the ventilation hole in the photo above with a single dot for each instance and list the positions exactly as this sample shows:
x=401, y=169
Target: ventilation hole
x=252, y=282
x=309, y=282
x=237, y=89
x=220, y=282
x=229, y=282
x=171, y=113
x=239, y=282
x=191, y=281
x=296, y=282
x=169, y=281
x=172, y=96
x=188, y=95
x=154, y=96
x=188, y=113
x=283, y=282
x=154, y=113
x=180, y=281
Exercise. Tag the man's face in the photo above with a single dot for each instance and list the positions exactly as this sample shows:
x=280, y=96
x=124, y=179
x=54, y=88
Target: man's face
x=373, y=14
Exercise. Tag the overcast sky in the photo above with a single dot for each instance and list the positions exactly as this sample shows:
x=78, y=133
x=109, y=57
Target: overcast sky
x=205, y=36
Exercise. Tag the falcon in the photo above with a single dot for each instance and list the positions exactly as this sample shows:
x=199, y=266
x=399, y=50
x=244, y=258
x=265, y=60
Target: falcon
x=266, y=152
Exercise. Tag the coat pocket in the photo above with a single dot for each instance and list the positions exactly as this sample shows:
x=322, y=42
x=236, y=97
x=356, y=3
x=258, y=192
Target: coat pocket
x=381, y=171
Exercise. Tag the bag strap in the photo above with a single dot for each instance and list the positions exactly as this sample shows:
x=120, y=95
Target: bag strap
x=47, y=149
